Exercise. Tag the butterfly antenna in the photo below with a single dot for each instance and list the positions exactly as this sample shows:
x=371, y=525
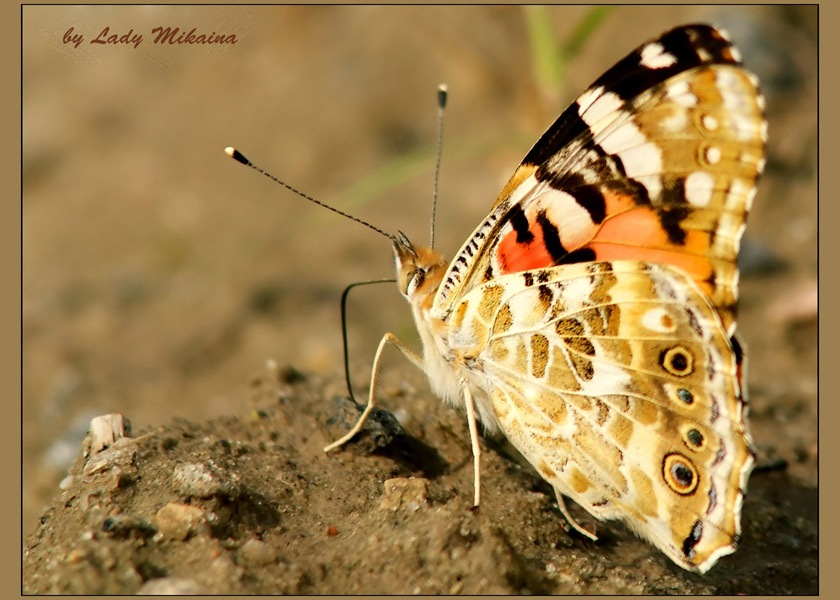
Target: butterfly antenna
x=344, y=330
x=239, y=157
x=441, y=106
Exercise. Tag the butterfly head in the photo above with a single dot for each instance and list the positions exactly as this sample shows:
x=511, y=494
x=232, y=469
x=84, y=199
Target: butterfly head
x=419, y=270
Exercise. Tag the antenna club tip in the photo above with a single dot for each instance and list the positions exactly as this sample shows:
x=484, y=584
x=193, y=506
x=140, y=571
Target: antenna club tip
x=442, y=93
x=236, y=155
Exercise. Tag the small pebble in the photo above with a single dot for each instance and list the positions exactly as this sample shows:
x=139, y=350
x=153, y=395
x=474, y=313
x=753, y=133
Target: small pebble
x=107, y=429
x=122, y=526
x=404, y=492
x=76, y=555
x=121, y=452
x=171, y=586
x=257, y=552
x=179, y=521
x=223, y=572
x=198, y=480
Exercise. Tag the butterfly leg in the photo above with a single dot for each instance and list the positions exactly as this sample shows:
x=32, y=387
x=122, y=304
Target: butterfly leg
x=388, y=338
x=575, y=525
x=476, y=448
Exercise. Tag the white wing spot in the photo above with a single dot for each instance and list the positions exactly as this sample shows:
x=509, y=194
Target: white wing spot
x=734, y=93
x=645, y=159
x=627, y=135
x=709, y=122
x=608, y=380
x=639, y=156
x=587, y=98
x=713, y=155
x=658, y=319
x=675, y=89
x=680, y=94
x=699, y=187
x=674, y=123
x=603, y=106
x=655, y=57
x=745, y=128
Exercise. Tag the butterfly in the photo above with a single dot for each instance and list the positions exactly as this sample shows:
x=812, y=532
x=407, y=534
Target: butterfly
x=590, y=317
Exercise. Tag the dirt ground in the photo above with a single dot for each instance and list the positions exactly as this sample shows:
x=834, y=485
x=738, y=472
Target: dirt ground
x=164, y=282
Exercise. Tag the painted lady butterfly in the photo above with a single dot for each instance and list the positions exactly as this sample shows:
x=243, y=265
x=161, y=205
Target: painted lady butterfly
x=590, y=317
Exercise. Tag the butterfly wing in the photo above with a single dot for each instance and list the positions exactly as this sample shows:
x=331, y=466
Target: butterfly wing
x=618, y=383
x=592, y=312
x=656, y=161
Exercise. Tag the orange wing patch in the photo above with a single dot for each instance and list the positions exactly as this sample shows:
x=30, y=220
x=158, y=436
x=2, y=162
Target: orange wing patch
x=517, y=252
x=629, y=232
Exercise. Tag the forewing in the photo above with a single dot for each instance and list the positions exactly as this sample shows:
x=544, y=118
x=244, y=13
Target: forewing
x=656, y=161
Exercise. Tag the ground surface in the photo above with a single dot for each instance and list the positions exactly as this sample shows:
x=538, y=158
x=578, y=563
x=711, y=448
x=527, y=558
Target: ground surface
x=159, y=277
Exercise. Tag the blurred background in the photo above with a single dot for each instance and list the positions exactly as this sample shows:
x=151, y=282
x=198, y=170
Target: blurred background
x=159, y=275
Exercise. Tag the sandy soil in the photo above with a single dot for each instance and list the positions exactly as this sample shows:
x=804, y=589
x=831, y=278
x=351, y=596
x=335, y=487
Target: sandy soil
x=159, y=277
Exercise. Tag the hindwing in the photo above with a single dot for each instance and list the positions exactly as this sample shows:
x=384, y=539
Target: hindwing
x=617, y=381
